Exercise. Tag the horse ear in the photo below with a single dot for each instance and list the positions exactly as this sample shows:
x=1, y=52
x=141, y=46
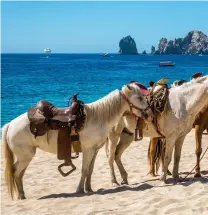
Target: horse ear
x=129, y=87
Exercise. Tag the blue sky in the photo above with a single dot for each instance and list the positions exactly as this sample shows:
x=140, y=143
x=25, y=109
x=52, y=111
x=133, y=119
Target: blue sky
x=96, y=27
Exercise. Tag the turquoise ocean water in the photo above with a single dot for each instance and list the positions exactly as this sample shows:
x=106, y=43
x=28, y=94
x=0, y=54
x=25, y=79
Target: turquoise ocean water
x=28, y=78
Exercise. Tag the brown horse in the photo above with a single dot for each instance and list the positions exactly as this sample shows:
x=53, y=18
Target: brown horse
x=157, y=145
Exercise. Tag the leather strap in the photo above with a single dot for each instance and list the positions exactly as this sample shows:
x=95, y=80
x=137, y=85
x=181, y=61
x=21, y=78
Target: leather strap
x=125, y=130
x=139, y=127
x=132, y=105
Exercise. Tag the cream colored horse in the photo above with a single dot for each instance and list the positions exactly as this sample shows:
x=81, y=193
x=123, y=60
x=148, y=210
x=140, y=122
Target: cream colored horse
x=102, y=116
x=184, y=103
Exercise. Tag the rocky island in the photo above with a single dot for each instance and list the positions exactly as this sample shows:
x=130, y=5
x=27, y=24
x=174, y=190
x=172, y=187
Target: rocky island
x=195, y=42
x=144, y=52
x=127, y=45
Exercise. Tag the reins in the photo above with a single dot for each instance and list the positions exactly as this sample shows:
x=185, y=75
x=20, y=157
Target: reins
x=194, y=166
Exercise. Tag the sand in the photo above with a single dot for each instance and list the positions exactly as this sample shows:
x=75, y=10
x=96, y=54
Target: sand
x=49, y=193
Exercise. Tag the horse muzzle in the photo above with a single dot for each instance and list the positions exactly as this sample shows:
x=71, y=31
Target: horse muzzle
x=147, y=114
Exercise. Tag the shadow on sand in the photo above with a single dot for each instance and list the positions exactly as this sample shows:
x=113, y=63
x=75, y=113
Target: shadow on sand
x=123, y=188
x=140, y=187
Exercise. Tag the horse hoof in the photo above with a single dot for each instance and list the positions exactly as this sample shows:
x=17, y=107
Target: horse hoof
x=152, y=174
x=124, y=182
x=176, y=178
x=163, y=178
x=80, y=191
x=21, y=197
x=115, y=184
x=168, y=172
x=197, y=174
x=89, y=191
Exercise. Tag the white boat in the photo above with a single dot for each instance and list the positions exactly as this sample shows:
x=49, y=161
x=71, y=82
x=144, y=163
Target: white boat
x=167, y=63
x=47, y=50
x=105, y=55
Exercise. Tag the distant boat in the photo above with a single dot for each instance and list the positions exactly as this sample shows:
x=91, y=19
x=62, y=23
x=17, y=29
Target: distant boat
x=47, y=50
x=105, y=55
x=167, y=63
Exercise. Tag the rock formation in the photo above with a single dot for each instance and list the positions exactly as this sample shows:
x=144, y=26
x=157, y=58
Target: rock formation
x=127, y=45
x=144, y=52
x=152, y=50
x=162, y=44
x=195, y=42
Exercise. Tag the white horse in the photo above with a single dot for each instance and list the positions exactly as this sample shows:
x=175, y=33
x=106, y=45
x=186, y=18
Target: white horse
x=184, y=103
x=101, y=117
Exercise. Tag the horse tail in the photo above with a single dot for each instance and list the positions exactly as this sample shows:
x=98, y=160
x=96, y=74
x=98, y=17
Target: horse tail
x=106, y=147
x=9, y=163
x=158, y=153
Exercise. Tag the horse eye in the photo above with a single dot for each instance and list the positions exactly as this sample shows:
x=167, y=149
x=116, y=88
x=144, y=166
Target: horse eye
x=140, y=98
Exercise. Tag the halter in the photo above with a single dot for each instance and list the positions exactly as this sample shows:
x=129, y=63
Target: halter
x=132, y=106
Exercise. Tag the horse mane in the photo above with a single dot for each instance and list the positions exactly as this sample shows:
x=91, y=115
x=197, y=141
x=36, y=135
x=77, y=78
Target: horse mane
x=105, y=108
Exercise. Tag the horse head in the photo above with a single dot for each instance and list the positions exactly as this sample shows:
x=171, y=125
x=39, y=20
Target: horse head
x=134, y=96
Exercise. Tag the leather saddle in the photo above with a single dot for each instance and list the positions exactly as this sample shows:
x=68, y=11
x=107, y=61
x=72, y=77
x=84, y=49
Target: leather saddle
x=157, y=98
x=68, y=121
x=47, y=116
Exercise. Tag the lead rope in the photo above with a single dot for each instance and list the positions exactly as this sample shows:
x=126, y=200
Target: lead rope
x=194, y=166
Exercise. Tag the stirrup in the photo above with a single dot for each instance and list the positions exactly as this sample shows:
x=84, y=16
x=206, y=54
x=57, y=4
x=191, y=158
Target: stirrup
x=66, y=164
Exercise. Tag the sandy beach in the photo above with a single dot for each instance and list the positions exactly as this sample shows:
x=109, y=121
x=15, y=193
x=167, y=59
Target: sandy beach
x=48, y=193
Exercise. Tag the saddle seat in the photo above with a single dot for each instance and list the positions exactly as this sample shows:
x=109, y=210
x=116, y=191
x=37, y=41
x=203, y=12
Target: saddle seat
x=51, y=112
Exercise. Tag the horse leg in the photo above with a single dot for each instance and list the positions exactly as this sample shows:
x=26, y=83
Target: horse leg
x=124, y=143
x=88, y=155
x=198, y=137
x=112, y=140
x=163, y=156
x=151, y=155
x=177, y=155
x=168, y=155
x=88, y=187
x=20, y=168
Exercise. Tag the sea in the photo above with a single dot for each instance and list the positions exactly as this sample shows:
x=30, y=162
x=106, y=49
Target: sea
x=28, y=78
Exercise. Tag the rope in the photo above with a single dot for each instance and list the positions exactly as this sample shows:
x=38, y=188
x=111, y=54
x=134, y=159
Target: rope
x=194, y=166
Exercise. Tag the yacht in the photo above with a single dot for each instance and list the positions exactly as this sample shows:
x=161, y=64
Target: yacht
x=47, y=50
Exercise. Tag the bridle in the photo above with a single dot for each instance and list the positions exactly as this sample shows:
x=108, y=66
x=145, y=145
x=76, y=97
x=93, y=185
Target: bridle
x=132, y=106
x=139, y=123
